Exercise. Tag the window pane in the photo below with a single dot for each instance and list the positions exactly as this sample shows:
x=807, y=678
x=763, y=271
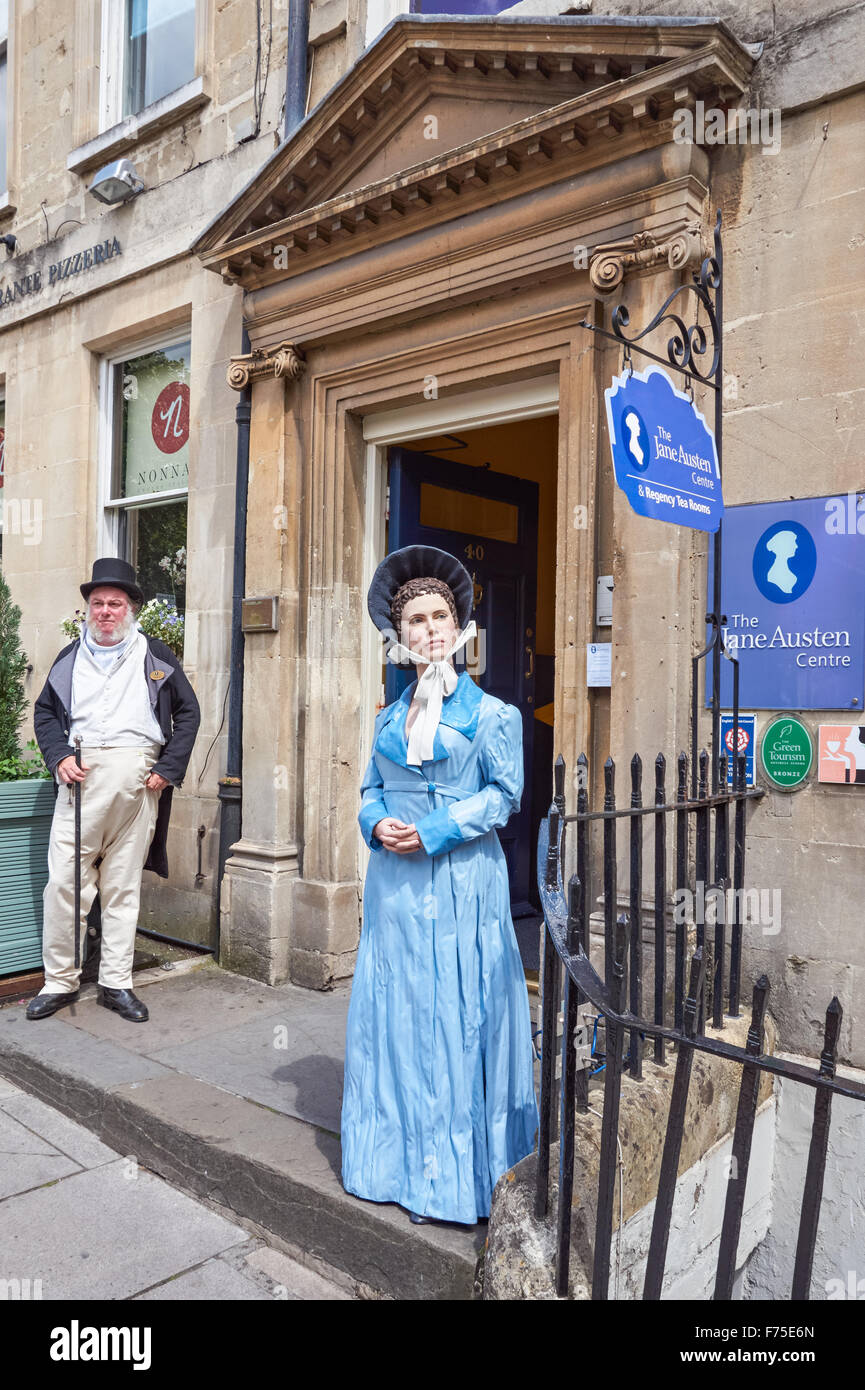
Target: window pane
x=160, y=50
x=154, y=537
x=463, y=511
x=152, y=399
x=460, y=6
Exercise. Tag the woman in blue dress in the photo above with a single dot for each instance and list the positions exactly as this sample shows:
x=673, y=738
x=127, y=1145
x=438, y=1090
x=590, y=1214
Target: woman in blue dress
x=439, y=1098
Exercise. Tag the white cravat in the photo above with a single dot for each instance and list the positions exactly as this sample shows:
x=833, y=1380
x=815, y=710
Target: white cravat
x=439, y=679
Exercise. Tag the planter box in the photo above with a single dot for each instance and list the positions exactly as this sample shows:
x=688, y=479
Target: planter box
x=26, y=811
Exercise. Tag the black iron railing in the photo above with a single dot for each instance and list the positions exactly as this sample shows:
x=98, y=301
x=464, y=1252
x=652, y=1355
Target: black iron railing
x=618, y=997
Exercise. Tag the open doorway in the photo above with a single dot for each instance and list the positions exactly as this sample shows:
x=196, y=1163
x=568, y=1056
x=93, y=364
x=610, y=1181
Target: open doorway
x=488, y=495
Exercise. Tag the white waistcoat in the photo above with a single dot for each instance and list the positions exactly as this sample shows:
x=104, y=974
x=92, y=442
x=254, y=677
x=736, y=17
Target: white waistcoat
x=111, y=707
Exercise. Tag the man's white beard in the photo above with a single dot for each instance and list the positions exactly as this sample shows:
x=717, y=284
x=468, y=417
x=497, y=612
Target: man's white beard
x=119, y=632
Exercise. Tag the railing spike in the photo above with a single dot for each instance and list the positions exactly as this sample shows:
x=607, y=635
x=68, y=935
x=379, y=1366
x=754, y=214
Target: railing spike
x=559, y=777
x=812, y=1198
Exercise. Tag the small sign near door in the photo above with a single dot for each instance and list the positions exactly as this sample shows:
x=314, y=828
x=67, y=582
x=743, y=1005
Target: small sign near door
x=747, y=724
x=599, y=663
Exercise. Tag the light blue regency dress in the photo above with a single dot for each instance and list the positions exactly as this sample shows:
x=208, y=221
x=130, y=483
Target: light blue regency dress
x=439, y=1098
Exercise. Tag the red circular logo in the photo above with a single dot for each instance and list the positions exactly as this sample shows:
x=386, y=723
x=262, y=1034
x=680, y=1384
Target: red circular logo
x=169, y=423
x=744, y=739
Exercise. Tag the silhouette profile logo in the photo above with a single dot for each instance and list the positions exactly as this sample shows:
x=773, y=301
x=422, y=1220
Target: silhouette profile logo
x=635, y=438
x=785, y=561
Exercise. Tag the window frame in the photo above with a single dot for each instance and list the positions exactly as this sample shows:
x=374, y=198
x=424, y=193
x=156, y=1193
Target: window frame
x=7, y=46
x=112, y=63
x=110, y=507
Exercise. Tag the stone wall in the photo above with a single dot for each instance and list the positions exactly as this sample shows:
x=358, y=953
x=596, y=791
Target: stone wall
x=794, y=249
x=520, y=1253
x=52, y=341
x=839, y=1262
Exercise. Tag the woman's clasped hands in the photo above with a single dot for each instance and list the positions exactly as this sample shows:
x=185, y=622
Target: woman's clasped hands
x=397, y=836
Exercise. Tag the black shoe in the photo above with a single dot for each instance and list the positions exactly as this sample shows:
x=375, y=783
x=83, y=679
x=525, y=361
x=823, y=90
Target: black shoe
x=46, y=1004
x=417, y=1220
x=125, y=1003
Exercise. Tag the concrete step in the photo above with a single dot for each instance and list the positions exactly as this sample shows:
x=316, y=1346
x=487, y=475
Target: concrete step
x=281, y=1172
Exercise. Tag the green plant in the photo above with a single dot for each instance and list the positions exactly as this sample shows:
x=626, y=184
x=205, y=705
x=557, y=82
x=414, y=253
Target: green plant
x=74, y=626
x=175, y=567
x=159, y=618
x=13, y=667
x=18, y=767
x=14, y=765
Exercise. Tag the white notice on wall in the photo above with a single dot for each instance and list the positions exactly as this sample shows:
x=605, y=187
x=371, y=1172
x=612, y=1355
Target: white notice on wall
x=599, y=661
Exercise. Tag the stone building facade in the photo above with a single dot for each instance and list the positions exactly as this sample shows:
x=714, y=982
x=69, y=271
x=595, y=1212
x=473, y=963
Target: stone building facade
x=90, y=295
x=414, y=266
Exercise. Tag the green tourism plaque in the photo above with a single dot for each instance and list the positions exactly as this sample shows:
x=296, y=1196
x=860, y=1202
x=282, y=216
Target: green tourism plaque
x=787, y=753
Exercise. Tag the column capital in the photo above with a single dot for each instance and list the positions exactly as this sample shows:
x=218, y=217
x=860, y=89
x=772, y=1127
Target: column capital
x=684, y=246
x=284, y=360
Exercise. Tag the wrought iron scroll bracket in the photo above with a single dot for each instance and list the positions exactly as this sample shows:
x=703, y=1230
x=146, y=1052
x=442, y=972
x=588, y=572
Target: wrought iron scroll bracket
x=696, y=354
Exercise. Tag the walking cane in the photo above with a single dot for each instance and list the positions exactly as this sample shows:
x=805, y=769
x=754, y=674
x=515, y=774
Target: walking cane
x=77, y=856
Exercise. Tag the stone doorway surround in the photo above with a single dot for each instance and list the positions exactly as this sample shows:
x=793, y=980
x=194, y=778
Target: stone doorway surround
x=496, y=405
x=375, y=260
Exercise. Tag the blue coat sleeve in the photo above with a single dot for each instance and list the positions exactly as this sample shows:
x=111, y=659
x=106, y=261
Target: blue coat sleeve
x=501, y=762
x=372, y=807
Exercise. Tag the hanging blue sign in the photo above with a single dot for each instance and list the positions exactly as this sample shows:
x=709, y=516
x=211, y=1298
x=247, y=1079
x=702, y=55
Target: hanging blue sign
x=664, y=453
x=793, y=592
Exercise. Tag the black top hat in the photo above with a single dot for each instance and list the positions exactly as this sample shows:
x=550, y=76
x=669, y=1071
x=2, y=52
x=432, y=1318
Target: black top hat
x=118, y=573
x=418, y=562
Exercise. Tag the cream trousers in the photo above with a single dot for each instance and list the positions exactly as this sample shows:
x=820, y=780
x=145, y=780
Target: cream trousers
x=118, y=818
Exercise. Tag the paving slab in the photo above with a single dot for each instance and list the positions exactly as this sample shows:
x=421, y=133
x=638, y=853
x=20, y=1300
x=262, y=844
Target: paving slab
x=27, y=1160
x=281, y=1046
x=292, y=1064
x=284, y=1174
x=93, y=1235
x=211, y=1281
x=184, y=1007
x=245, y=1116
x=291, y=1280
x=70, y=1138
x=64, y=1065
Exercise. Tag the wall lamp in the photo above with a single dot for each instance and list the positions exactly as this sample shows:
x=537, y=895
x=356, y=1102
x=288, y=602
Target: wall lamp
x=117, y=182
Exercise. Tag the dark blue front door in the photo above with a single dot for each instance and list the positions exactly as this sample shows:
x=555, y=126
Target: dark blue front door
x=490, y=522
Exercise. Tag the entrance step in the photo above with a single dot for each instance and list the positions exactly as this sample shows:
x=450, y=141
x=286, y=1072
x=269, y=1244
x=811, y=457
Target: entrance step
x=277, y=1170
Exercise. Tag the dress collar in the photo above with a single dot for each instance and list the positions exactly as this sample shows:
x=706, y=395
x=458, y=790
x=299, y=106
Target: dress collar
x=460, y=711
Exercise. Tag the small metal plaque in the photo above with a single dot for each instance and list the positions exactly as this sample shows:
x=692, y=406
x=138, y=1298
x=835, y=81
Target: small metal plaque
x=260, y=614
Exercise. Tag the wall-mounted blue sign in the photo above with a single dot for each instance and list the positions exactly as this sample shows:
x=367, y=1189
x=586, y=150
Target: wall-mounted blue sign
x=747, y=723
x=793, y=591
x=663, y=451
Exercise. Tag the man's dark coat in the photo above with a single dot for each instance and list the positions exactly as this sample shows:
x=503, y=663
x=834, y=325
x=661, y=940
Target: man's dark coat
x=172, y=700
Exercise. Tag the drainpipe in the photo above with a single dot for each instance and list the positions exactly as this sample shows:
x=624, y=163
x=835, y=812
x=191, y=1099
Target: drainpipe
x=295, y=65
x=230, y=786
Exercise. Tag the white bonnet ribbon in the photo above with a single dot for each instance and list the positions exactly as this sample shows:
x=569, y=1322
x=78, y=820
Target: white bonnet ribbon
x=439, y=679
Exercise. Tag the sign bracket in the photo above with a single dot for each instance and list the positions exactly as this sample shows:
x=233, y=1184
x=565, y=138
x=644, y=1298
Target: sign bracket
x=687, y=350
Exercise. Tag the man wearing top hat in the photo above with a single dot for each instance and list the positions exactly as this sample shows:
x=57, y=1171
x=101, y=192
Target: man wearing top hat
x=125, y=694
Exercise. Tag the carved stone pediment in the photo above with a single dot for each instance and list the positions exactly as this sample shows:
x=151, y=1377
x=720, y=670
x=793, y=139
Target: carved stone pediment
x=442, y=115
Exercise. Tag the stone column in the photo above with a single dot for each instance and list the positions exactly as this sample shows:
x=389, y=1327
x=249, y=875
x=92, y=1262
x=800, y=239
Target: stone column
x=658, y=575
x=325, y=898
x=256, y=904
